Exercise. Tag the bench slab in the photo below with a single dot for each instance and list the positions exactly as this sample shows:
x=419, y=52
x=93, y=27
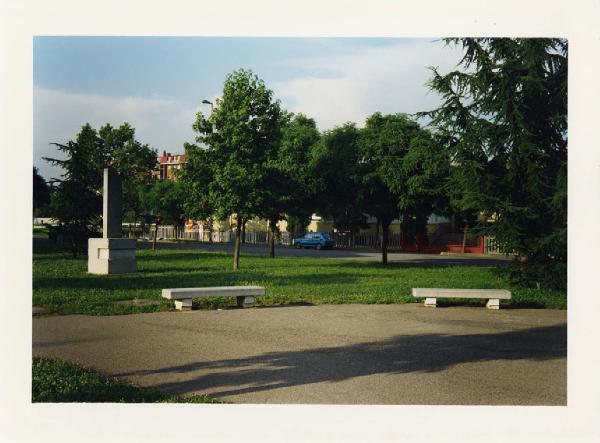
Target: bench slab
x=183, y=296
x=431, y=294
x=461, y=293
x=215, y=291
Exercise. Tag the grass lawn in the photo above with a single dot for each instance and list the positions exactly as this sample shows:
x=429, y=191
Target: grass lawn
x=41, y=230
x=62, y=286
x=57, y=381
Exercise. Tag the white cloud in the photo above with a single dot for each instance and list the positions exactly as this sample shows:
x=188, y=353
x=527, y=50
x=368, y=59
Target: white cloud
x=336, y=89
x=59, y=115
x=354, y=85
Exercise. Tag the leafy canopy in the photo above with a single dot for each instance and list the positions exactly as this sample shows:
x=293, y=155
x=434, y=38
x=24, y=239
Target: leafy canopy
x=335, y=161
x=240, y=136
x=403, y=167
x=164, y=201
x=291, y=180
x=77, y=198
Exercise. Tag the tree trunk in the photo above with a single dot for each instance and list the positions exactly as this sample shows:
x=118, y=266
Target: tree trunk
x=243, y=222
x=210, y=229
x=155, y=235
x=385, y=231
x=464, y=240
x=237, y=245
x=271, y=233
x=74, y=246
x=404, y=237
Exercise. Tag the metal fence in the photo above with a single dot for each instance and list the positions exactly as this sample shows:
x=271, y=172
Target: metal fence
x=179, y=233
x=492, y=246
x=370, y=241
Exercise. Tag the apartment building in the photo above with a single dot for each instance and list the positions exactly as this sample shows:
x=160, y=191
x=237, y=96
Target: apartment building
x=169, y=163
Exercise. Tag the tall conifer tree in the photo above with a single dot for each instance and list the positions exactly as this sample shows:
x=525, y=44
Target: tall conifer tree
x=506, y=111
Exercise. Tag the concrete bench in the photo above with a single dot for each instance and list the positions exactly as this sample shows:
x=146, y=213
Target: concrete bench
x=431, y=294
x=183, y=296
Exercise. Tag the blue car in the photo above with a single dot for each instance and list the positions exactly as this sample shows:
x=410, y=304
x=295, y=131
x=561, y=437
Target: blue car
x=317, y=240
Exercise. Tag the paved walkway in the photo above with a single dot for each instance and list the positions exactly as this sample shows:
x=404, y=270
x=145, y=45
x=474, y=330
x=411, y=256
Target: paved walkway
x=330, y=354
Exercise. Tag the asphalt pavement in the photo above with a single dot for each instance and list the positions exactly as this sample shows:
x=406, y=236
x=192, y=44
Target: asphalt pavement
x=329, y=354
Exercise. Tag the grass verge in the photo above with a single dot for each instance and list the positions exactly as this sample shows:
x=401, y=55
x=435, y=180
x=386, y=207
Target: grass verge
x=55, y=381
x=61, y=284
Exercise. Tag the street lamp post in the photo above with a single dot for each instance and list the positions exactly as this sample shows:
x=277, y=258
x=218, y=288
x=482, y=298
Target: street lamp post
x=208, y=103
x=209, y=220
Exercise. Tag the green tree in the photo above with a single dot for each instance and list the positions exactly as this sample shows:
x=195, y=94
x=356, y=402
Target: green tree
x=41, y=193
x=463, y=200
x=242, y=134
x=289, y=185
x=300, y=134
x=402, y=170
x=507, y=112
x=164, y=204
x=77, y=198
x=335, y=162
x=196, y=178
x=133, y=160
x=420, y=183
x=276, y=200
x=380, y=145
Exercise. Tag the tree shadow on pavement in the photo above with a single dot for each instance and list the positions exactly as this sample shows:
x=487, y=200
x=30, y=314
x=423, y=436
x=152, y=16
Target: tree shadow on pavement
x=402, y=354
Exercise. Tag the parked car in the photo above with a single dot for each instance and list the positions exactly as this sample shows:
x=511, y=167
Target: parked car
x=318, y=240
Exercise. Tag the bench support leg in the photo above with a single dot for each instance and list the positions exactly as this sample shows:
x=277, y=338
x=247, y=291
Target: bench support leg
x=183, y=305
x=430, y=302
x=245, y=301
x=493, y=303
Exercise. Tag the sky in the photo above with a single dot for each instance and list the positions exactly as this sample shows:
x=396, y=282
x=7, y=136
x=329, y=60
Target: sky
x=157, y=84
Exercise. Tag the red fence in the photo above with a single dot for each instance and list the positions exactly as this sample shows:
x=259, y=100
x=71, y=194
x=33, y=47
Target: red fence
x=474, y=249
x=473, y=246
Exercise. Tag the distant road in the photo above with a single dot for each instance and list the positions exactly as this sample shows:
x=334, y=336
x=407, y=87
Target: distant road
x=280, y=251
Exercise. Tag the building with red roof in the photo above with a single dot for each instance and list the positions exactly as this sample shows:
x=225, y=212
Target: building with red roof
x=169, y=163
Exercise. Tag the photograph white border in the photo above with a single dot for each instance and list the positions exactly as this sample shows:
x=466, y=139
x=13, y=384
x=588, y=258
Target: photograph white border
x=22, y=20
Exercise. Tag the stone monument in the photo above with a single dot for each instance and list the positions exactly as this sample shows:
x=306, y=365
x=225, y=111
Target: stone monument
x=111, y=254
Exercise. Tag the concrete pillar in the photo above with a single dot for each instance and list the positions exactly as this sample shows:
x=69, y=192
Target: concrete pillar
x=111, y=254
x=112, y=205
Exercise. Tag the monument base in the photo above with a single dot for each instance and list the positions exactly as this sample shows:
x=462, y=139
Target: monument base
x=111, y=255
